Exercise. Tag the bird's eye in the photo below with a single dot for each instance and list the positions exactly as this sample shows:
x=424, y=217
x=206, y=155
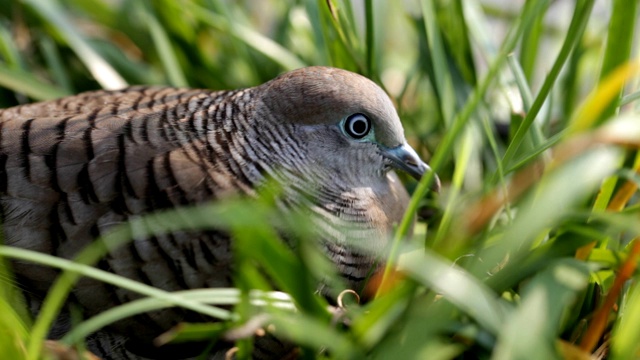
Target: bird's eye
x=357, y=126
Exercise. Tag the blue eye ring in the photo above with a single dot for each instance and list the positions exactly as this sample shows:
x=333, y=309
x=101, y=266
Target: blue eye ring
x=357, y=126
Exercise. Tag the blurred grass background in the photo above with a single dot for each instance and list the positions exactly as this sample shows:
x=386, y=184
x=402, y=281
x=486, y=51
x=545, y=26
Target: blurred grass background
x=528, y=111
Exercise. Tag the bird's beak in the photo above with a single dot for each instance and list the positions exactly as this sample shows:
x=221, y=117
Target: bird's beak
x=405, y=158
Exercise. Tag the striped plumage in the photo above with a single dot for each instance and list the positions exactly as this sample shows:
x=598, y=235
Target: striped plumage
x=72, y=168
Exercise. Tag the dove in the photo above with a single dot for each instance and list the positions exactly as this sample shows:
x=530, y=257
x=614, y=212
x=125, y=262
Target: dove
x=73, y=168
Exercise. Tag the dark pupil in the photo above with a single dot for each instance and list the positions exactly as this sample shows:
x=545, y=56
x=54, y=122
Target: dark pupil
x=359, y=127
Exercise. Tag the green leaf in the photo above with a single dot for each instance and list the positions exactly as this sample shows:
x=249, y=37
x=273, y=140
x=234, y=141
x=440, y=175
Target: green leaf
x=251, y=38
x=624, y=343
x=620, y=38
x=457, y=286
x=574, y=34
x=27, y=83
x=531, y=329
x=101, y=70
x=554, y=197
x=306, y=330
x=165, y=50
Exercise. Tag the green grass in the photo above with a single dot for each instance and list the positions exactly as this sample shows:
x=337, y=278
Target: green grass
x=531, y=253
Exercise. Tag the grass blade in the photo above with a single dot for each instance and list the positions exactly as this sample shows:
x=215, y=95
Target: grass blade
x=457, y=286
x=97, y=65
x=574, y=34
x=166, y=53
x=27, y=83
x=529, y=333
x=618, y=49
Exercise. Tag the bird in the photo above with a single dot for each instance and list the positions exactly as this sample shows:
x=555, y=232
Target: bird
x=73, y=168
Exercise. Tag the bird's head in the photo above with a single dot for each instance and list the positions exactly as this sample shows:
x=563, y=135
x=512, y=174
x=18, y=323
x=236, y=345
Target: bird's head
x=347, y=119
